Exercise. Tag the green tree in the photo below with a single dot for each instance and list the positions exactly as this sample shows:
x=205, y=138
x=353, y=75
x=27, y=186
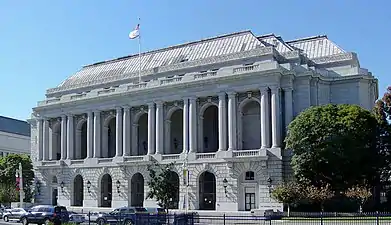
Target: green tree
x=8, y=166
x=335, y=145
x=287, y=193
x=162, y=185
x=359, y=194
x=8, y=193
x=319, y=195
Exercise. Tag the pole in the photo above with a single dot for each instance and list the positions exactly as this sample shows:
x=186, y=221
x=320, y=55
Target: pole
x=21, y=192
x=139, y=52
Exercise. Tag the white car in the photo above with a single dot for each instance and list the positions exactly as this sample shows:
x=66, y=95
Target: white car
x=76, y=218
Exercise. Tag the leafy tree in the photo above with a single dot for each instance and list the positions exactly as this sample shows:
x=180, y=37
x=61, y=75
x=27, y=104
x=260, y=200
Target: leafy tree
x=8, y=166
x=360, y=194
x=8, y=193
x=319, y=194
x=162, y=186
x=335, y=145
x=288, y=193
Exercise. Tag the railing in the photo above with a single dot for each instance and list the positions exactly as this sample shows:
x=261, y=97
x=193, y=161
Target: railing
x=209, y=155
x=78, y=96
x=105, y=160
x=205, y=74
x=136, y=86
x=77, y=161
x=170, y=80
x=133, y=158
x=245, y=68
x=171, y=157
x=246, y=153
x=106, y=91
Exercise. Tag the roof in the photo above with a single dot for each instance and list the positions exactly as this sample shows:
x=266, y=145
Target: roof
x=313, y=47
x=14, y=126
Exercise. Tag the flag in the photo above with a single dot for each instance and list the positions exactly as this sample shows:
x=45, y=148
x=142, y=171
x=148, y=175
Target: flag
x=135, y=33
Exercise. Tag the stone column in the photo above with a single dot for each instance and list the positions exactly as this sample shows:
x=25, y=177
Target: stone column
x=185, y=125
x=159, y=127
x=97, y=135
x=222, y=122
x=90, y=134
x=46, y=147
x=40, y=139
x=288, y=106
x=63, y=137
x=151, y=128
x=118, y=132
x=275, y=114
x=232, y=125
x=126, y=132
x=134, y=139
x=264, y=117
x=70, y=137
x=193, y=124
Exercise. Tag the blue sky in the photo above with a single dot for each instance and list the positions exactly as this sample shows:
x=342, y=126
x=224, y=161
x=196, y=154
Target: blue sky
x=42, y=42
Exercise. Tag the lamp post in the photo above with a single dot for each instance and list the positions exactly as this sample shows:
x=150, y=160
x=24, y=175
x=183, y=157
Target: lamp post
x=88, y=186
x=269, y=184
x=19, y=178
x=118, y=183
x=225, y=185
x=62, y=186
x=38, y=186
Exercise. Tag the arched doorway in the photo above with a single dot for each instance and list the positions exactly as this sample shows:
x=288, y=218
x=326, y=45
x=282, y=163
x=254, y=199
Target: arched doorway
x=81, y=140
x=210, y=131
x=174, y=140
x=142, y=134
x=174, y=182
x=54, y=190
x=137, y=190
x=207, y=191
x=78, y=191
x=106, y=191
x=251, y=125
x=109, y=136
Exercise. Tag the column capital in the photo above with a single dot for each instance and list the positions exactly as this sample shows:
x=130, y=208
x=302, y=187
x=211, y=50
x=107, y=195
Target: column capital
x=89, y=113
x=126, y=107
x=193, y=98
x=159, y=103
x=70, y=115
x=288, y=88
x=118, y=108
x=95, y=111
x=231, y=94
x=264, y=89
x=221, y=94
x=151, y=104
x=274, y=89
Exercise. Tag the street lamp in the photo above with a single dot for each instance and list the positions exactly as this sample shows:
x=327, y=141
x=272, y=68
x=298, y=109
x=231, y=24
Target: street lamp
x=38, y=186
x=225, y=185
x=88, y=186
x=62, y=186
x=118, y=186
x=269, y=184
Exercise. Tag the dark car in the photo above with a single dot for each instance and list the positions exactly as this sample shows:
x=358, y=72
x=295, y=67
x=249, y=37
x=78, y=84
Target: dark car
x=44, y=214
x=124, y=215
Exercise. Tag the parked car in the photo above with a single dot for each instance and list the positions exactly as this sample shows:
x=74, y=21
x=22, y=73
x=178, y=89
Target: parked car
x=76, y=218
x=126, y=216
x=159, y=215
x=13, y=214
x=44, y=214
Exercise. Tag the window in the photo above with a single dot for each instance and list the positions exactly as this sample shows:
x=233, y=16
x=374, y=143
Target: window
x=249, y=175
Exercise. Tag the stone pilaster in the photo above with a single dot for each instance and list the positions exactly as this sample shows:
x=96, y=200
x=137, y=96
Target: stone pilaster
x=151, y=128
x=275, y=114
x=118, y=132
x=46, y=147
x=185, y=125
x=134, y=139
x=159, y=128
x=126, y=132
x=97, y=134
x=222, y=111
x=232, y=122
x=90, y=134
x=70, y=137
x=264, y=117
x=63, y=137
x=192, y=124
x=40, y=139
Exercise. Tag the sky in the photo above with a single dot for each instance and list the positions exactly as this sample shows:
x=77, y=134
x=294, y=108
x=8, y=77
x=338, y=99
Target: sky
x=43, y=42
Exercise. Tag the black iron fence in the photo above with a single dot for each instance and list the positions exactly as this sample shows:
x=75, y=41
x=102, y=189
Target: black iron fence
x=295, y=218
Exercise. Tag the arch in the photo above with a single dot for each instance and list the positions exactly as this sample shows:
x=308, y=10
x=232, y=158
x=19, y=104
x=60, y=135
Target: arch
x=80, y=151
x=78, y=191
x=171, y=111
x=137, y=190
x=106, y=188
x=55, y=153
x=174, y=183
x=109, y=137
x=142, y=135
x=248, y=193
x=208, y=128
x=174, y=131
x=207, y=191
x=250, y=123
x=138, y=115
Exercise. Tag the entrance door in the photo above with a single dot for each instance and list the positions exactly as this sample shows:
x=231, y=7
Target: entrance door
x=249, y=201
x=54, y=196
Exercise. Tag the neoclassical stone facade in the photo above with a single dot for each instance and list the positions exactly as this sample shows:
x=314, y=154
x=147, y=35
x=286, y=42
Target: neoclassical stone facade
x=223, y=103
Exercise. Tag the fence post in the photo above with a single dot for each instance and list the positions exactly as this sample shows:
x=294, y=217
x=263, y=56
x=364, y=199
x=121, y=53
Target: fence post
x=89, y=218
x=321, y=218
x=224, y=218
x=377, y=218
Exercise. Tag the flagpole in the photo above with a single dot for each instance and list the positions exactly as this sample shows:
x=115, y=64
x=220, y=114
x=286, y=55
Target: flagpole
x=139, y=53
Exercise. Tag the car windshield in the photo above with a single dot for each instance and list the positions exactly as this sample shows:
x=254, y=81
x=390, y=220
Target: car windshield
x=60, y=209
x=139, y=209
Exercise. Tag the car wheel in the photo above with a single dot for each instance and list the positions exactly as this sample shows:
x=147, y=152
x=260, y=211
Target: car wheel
x=47, y=221
x=5, y=218
x=128, y=222
x=25, y=221
x=100, y=222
